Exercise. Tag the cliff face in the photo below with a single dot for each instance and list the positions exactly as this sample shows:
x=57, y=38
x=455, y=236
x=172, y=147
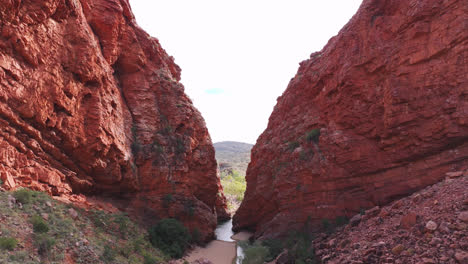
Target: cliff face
x=380, y=112
x=90, y=103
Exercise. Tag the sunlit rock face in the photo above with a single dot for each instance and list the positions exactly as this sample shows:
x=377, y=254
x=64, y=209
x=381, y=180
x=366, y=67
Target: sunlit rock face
x=90, y=103
x=380, y=112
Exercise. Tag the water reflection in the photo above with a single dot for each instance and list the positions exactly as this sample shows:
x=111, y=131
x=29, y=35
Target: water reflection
x=224, y=233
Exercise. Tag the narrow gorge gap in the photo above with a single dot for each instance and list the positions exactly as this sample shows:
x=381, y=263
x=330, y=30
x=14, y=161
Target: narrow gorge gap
x=232, y=158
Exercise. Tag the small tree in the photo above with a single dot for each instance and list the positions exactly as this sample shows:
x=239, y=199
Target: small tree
x=170, y=236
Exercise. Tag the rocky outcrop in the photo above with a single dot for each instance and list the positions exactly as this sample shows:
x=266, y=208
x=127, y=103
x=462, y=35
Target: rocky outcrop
x=436, y=232
x=90, y=103
x=380, y=112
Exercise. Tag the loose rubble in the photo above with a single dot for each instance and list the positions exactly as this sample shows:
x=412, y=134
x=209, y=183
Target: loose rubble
x=414, y=229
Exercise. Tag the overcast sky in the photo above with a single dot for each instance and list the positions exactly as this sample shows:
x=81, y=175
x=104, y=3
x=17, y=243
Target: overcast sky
x=238, y=56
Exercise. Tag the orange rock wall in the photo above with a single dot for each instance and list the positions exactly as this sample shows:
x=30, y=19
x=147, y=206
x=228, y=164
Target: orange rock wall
x=389, y=95
x=90, y=103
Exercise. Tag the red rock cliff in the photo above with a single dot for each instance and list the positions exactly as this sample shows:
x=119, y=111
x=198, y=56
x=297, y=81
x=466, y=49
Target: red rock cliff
x=90, y=103
x=380, y=112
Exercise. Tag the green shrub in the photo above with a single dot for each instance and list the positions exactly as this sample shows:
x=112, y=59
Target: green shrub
x=100, y=219
x=254, y=254
x=327, y=225
x=44, y=243
x=170, y=236
x=8, y=243
x=293, y=145
x=341, y=221
x=126, y=250
x=179, y=146
x=189, y=207
x=167, y=200
x=156, y=147
x=109, y=254
x=123, y=223
x=19, y=256
x=39, y=225
x=148, y=259
x=313, y=135
x=196, y=236
x=300, y=248
x=138, y=244
x=136, y=147
x=23, y=196
x=61, y=227
x=275, y=247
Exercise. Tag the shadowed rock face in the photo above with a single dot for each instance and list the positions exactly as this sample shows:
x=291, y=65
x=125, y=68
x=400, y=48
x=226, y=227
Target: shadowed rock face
x=90, y=103
x=380, y=112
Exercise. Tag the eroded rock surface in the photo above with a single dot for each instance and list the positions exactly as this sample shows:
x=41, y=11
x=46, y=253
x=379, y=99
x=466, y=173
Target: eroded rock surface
x=90, y=103
x=380, y=112
x=389, y=238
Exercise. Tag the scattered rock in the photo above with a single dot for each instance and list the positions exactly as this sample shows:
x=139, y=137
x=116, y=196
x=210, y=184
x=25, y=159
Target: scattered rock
x=403, y=237
x=428, y=261
x=384, y=213
x=355, y=220
x=416, y=198
x=344, y=243
x=326, y=258
x=461, y=257
x=397, y=204
x=427, y=194
x=48, y=203
x=73, y=214
x=45, y=216
x=398, y=249
x=435, y=241
x=372, y=212
x=379, y=244
x=331, y=243
x=431, y=225
x=409, y=220
x=455, y=174
x=444, y=227
x=11, y=201
x=463, y=216
x=202, y=261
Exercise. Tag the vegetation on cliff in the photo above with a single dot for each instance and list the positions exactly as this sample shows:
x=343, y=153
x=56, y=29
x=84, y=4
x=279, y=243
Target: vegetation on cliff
x=35, y=228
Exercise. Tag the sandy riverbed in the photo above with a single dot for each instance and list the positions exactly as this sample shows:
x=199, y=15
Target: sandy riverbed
x=217, y=251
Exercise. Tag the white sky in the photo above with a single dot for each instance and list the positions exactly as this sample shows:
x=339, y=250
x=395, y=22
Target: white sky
x=237, y=57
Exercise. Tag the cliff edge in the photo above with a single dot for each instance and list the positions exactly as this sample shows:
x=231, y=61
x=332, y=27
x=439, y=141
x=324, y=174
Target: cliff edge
x=380, y=112
x=90, y=103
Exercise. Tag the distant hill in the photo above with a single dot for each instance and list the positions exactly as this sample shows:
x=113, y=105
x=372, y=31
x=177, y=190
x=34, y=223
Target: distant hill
x=234, y=155
x=233, y=159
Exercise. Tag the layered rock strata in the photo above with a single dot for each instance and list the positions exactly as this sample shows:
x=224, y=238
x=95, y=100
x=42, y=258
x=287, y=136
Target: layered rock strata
x=90, y=103
x=380, y=112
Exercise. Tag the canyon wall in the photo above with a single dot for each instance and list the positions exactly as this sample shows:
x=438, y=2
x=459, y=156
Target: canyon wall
x=379, y=113
x=90, y=103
